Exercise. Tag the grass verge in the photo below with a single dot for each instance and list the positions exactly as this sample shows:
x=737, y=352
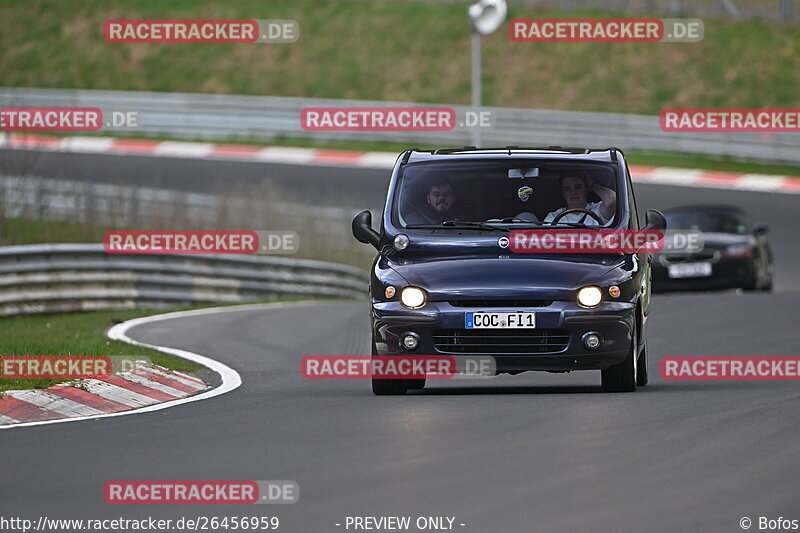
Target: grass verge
x=74, y=334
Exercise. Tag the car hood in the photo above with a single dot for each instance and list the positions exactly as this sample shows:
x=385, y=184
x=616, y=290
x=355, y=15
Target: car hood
x=513, y=276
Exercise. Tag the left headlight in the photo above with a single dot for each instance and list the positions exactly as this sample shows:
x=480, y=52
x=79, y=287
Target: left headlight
x=590, y=296
x=413, y=297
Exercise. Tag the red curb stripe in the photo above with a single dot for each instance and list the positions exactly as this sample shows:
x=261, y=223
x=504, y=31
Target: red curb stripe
x=24, y=411
x=141, y=389
x=791, y=184
x=341, y=156
x=135, y=146
x=641, y=170
x=87, y=398
x=234, y=150
x=720, y=177
x=34, y=141
x=168, y=382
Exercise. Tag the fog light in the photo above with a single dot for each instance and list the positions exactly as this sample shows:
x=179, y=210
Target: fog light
x=410, y=341
x=591, y=340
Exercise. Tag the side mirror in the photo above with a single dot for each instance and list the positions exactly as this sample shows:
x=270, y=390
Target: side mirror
x=760, y=229
x=362, y=229
x=654, y=220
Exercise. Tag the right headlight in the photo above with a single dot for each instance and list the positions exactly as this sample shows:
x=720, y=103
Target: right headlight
x=590, y=296
x=738, y=250
x=413, y=297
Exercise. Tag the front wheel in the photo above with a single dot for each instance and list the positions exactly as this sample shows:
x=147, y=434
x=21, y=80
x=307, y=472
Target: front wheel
x=641, y=367
x=622, y=377
x=388, y=387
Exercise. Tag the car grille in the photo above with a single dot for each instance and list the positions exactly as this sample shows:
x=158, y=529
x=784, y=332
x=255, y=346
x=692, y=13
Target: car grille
x=703, y=255
x=500, y=341
x=500, y=303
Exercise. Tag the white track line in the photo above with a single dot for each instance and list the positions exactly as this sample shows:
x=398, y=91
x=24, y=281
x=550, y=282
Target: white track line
x=231, y=379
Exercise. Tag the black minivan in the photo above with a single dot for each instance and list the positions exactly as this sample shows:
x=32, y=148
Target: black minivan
x=446, y=282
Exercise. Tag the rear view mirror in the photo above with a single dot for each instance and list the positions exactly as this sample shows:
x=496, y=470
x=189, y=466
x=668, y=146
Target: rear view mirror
x=362, y=229
x=654, y=220
x=517, y=173
x=760, y=229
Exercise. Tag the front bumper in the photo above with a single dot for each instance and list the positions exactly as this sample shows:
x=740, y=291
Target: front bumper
x=726, y=274
x=614, y=321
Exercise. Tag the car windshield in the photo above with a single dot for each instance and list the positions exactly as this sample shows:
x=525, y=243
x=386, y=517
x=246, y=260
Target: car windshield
x=708, y=221
x=508, y=193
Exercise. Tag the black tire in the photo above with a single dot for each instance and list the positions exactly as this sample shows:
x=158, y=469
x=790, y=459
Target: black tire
x=753, y=282
x=388, y=387
x=622, y=377
x=641, y=367
x=769, y=281
x=416, y=384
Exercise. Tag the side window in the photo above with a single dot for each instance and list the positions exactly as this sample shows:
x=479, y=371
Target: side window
x=632, y=200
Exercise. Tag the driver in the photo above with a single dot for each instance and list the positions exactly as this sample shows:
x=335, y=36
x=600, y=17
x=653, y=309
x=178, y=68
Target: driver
x=440, y=204
x=575, y=187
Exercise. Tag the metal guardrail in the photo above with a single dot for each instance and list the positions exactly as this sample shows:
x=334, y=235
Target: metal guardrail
x=46, y=278
x=229, y=117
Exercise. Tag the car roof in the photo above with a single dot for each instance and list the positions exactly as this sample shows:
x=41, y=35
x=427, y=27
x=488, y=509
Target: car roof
x=606, y=155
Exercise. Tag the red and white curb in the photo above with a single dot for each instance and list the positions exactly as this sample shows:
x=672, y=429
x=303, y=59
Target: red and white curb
x=91, y=397
x=377, y=160
x=152, y=389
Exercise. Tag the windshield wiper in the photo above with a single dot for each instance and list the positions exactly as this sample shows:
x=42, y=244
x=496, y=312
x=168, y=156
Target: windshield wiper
x=460, y=224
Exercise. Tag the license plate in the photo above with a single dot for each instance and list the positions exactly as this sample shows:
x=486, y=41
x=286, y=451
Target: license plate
x=689, y=270
x=500, y=320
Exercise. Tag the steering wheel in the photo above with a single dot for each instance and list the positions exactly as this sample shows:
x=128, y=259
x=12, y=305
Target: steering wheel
x=576, y=210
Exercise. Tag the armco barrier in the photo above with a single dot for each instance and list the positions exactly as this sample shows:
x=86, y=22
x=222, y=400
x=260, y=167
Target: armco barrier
x=44, y=278
x=230, y=117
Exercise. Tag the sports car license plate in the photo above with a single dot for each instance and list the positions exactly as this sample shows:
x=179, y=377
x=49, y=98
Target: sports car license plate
x=689, y=270
x=500, y=320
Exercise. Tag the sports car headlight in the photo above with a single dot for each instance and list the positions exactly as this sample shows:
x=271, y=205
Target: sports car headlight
x=413, y=297
x=589, y=296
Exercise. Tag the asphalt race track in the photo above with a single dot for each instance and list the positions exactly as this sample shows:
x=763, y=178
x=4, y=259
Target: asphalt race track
x=535, y=452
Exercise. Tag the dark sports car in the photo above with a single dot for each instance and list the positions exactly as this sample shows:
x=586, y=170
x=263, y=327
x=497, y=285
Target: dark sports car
x=736, y=252
x=445, y=282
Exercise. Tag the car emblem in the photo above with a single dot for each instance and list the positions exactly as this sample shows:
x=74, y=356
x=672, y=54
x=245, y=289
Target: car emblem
x=502, y=242
x=524, y=193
